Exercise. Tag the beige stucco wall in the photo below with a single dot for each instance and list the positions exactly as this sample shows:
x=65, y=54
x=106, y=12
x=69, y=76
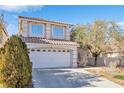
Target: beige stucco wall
x=25, y=28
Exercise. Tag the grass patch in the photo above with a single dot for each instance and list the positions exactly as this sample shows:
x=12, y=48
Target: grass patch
x=121, y=77
x=117, y=77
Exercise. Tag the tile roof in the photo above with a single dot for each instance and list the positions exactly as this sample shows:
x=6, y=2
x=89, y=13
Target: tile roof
x=47, y=41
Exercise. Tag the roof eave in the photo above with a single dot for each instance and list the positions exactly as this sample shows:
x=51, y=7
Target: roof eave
x=31, y=18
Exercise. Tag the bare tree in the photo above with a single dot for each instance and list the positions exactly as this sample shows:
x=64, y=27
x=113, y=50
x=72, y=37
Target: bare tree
x=96, y=36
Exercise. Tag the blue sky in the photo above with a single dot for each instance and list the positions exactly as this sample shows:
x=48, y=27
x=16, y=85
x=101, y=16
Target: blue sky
x=68, y=14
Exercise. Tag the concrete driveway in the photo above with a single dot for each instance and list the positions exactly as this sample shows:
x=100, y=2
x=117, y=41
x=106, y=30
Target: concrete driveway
x=68, y=78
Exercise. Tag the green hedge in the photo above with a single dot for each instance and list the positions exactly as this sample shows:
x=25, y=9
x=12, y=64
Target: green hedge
x=15, y=65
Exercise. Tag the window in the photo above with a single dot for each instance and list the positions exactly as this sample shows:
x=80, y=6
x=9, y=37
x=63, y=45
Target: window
x=32, y=50
x=59, y=50
x=68, y=50
x=49, y=50
x=54, y=50
x=44, y=50
x=58, y=32
x=37, y=30
x=63, y=50
x=38, y=50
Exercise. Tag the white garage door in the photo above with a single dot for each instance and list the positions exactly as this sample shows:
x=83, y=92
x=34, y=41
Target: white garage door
x=50, y=58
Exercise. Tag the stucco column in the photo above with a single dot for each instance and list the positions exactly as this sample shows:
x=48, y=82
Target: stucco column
x=48, y=31
x=67, y=33
x=74, y=58
x=30, y=29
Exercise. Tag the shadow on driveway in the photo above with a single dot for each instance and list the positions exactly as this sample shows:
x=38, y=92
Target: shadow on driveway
x=62, y=78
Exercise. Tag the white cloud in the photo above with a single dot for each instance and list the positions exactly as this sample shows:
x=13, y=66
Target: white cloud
x=121, y=23
x=20, y=9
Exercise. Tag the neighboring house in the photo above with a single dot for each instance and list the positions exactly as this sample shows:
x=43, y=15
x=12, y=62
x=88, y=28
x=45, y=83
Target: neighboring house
x=113, y=54
x=3, y=36
x=114, y=50
x=48, y=43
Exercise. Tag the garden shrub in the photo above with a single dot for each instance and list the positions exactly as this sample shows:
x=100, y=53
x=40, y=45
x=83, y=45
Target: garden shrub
x=15, y=65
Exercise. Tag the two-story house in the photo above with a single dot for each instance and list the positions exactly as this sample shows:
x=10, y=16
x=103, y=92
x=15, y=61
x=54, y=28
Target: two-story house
x=48, y=43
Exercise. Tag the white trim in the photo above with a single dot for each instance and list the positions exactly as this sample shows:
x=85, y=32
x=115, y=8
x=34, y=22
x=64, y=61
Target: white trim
x=45, y=22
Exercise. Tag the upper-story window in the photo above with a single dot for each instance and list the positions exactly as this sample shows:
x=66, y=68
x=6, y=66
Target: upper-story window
x=37, y=30
x=57, y=32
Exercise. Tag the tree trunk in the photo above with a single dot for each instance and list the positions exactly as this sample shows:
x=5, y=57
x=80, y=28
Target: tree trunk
x=95, y=63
